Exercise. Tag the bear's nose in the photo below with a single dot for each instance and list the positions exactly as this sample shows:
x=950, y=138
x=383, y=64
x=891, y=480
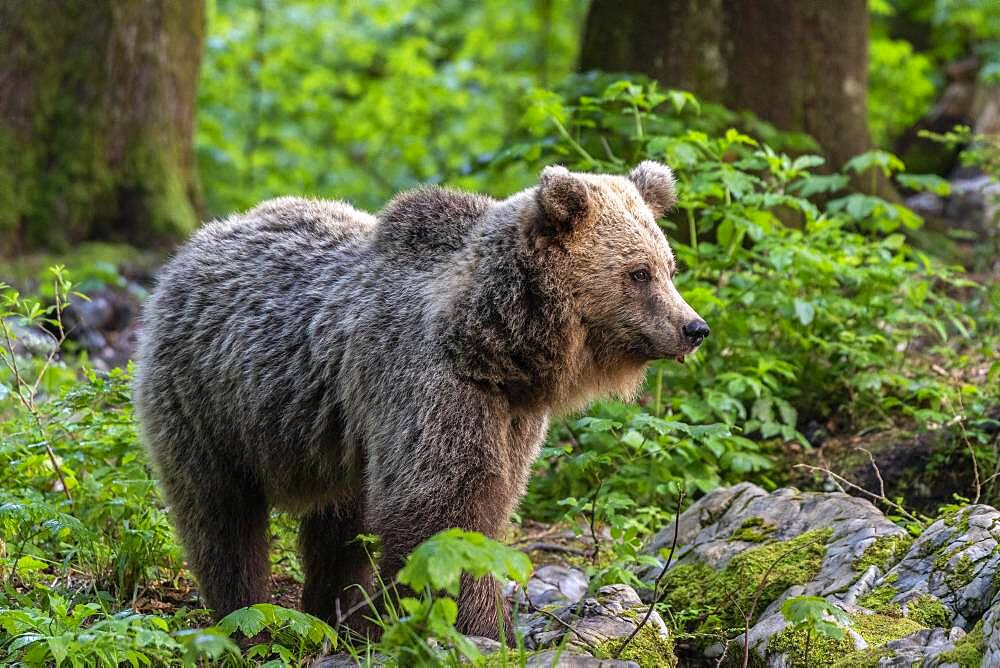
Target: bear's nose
x=696, y=331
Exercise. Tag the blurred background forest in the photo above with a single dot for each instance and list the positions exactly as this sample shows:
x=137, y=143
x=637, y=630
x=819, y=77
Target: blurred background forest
x=838, y=168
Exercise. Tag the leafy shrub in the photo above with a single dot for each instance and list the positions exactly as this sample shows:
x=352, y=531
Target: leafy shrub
x=434, y=570
x=900, y=88
x=361, y=100
x=814, y=297
x=83, y=634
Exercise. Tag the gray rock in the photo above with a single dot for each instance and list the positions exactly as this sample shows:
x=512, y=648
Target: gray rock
x=991, y=634
x=707, y=529
x=556, y=584
x=925, y=203
x=973, y=205
x=484, y=645
x=613, y=613
x=334, y=661
x=28, y=340
x=921, y=648
x=955, y=561
x=554, y=658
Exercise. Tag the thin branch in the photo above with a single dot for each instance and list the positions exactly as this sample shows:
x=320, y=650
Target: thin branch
x=555, y=618
x=551, y=547
x=842, y=481
x=657, y=594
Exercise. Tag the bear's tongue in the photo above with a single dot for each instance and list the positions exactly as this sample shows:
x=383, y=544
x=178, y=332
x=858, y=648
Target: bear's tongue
x=680, y=359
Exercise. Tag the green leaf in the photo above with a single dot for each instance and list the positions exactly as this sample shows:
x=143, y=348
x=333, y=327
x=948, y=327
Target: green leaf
x=439, y=562
x=804, y=311
x=925, y=182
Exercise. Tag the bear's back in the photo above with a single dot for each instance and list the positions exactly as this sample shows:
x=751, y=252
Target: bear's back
x=429, y=223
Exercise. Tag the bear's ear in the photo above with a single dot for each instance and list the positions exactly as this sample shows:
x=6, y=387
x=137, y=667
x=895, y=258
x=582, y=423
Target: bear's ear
x=564, y=200
x=655, y=182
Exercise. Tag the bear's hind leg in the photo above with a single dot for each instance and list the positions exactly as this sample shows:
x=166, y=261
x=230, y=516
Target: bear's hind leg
x=334, y=562
x=225, y=533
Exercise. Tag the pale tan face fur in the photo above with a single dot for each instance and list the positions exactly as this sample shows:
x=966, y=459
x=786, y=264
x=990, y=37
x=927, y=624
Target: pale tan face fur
x=622, y=268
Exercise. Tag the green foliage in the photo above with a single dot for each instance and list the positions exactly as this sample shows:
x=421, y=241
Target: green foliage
x=814, y=303
x=293, y=635
x=438, y=562
x=815, y=615
x=361, y=100
x=436, y=566
x=84, y=634
x=900, y=88
x=982, y=151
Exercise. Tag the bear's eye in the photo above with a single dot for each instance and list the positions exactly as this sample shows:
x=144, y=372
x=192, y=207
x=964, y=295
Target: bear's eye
x=640, y=275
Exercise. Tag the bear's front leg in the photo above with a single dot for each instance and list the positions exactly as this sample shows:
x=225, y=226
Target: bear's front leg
x=482, y=611
x=458, y=471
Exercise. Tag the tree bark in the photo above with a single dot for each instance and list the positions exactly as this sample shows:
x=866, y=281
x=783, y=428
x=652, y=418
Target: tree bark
x=97, y=111
x=801, y=65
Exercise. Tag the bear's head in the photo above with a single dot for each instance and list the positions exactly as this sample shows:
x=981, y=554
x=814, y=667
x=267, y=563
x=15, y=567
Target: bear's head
x=617, y=261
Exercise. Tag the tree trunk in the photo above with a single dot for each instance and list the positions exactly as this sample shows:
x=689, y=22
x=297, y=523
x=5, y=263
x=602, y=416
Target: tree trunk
x=676, y=42
x=801, y=65
x=97, y=108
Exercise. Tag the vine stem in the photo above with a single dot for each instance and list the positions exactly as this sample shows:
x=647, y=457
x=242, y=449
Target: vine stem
x=572, y=142
x=657, y=594
x=692, y=230
x=658, y=407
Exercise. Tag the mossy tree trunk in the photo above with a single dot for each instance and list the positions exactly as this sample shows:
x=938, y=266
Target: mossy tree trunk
x=802, y=65
x=97, y=110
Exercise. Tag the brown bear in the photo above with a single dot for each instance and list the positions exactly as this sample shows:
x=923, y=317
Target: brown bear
x=393, y=374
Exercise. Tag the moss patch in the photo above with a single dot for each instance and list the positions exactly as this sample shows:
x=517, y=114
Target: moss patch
x=929, y=611
x=822, y=650
x=957, y=519
x=876, y=630
x=880, y=629
x=709, y=601
x=880, y=600
x=885, y=552
x=649, y=649
x=958, y=575
x=753, y=530
x=968, y=652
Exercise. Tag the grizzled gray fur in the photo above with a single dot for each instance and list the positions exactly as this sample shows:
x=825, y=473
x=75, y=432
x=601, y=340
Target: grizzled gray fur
x=392, y=374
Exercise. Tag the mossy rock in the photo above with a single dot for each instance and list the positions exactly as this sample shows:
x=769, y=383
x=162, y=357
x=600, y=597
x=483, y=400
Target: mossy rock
x=876, y=630
x=721, y=594
x=968, y=652
x=753, y=530
x=884, y=553
x=649, y=648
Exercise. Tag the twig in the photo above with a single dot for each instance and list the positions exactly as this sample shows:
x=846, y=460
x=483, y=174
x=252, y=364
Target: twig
x=657, y=594
x=551, y=547
x=841, y=480
x=960, y=421
x=555, y=618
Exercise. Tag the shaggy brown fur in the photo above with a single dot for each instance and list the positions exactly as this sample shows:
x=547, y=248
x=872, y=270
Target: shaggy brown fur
x=392, y=375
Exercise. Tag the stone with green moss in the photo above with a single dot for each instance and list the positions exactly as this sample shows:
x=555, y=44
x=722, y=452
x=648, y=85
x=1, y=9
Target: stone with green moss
x=929, y=611
x=884, y=552
x=649, y=648
x=968, y=652
x=804, y=648
x=880, y=600
x=753, y=530
x=720, y=595
x=876, y=630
